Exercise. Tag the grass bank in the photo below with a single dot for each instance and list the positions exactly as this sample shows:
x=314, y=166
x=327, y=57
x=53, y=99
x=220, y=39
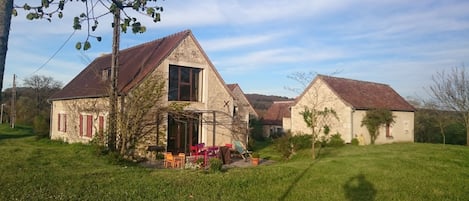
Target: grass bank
x=33, y=169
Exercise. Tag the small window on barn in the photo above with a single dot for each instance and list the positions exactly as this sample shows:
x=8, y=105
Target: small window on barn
x=388, y=131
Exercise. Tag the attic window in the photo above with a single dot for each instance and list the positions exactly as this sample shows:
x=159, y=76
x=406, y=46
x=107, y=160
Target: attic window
x=106, y=74
x=183, y=83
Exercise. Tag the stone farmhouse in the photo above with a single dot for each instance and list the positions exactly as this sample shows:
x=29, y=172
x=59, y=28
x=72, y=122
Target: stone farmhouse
x=351, y=99
x=273, y=120
x=242, y=106
x=80, y=110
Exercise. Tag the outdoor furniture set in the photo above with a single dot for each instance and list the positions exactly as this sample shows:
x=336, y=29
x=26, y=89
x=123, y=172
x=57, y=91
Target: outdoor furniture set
x=201, y=153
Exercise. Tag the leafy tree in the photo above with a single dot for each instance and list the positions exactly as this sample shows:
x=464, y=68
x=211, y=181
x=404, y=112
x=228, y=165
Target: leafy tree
x=317, y=120
x=317, y=116
x=89, y=19
x=425, y=127
x=451, y=90
x=38, y=109
x=140, y=109
x=43, y=87
x=32, y=107
x=433, y=124
x=257, y=133
x=376, y=118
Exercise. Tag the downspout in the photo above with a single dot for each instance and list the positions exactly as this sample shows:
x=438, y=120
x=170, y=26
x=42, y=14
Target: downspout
x=214, y=127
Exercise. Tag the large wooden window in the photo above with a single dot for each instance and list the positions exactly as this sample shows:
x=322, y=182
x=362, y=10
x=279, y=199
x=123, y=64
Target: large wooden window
x=183, y=83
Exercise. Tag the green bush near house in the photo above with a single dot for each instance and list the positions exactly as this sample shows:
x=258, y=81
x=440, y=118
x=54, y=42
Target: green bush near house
x=300, y=142
x=215, y=165
x=336, y=141
x=41, y=126
x=288, y=144
x=355, y=142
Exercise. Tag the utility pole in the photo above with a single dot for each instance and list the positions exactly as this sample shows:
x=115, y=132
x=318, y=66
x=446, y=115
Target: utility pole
x=13, y=100
x=112, y=128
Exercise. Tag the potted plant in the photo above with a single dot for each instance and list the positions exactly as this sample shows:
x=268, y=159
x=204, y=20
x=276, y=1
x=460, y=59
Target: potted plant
x=255, y=158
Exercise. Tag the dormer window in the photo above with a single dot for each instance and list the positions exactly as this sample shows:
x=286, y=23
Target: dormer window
x=106, y=74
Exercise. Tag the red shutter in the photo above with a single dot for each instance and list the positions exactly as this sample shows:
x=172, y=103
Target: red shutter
x=89, y=126
x=81, y=125
x=58, y=117
x=101, y=125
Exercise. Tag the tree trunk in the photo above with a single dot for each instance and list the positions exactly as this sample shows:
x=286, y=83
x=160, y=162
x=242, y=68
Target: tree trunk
x=112, y=128
x=313, y=141
x=6, y=7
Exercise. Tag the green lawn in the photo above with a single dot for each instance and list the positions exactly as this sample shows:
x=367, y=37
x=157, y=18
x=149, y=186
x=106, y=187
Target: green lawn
x=33, y=169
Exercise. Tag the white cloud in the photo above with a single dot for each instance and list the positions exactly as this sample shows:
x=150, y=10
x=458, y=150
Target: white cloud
x=220, y=44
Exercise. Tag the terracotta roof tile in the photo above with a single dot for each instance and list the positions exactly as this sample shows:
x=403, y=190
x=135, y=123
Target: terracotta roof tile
x=279, y=109
x=232, y=86
x=367, y=95
x=135, y=63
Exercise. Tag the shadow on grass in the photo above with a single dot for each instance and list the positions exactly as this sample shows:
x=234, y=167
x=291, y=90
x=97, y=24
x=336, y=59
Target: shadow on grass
x=321, y=153
x=14, y=133
x=297, y=179
x=13, y=136
x=357, y=188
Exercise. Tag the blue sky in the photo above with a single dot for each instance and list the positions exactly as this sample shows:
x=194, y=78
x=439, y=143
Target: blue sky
x=259, y=44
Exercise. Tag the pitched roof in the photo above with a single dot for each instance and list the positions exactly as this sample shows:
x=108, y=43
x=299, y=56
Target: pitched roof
x=366, y=95
x=135, y=63
x=232, y=88
x=279, y=109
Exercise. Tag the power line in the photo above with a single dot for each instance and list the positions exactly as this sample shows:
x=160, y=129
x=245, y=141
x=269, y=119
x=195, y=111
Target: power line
x=53, y=55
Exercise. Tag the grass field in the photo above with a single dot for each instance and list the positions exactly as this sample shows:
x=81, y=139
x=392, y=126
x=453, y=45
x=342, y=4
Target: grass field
x=33, y=169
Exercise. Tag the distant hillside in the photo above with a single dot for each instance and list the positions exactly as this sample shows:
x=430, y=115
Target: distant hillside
x=262, y=102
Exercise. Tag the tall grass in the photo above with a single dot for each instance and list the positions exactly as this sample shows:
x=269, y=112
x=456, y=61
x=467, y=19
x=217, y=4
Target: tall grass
x=33, y=169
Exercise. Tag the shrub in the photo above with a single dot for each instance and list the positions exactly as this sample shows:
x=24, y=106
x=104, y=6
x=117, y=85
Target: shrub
x=41, y=126
x=283, y=146
x=336, y=141
x=215, y=165
x=322, y=141
x=255, y=155
x=288, y=144
x=256, y=130
x=302, y=141
x=355, y=142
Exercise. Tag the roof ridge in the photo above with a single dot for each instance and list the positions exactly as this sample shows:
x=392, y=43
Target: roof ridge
x=187, y=31
x=349, y=79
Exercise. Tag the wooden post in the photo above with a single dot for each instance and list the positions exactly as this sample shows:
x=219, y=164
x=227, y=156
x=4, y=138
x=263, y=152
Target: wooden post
x=13, y=100
x=112, y=128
